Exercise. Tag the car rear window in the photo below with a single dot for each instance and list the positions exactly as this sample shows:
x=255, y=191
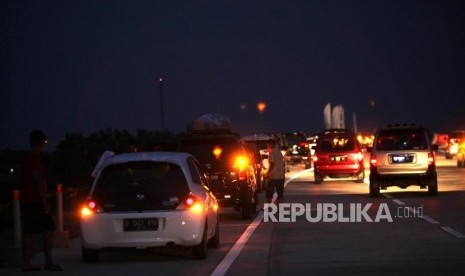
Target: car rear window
x=204, y=151
x=139, y=186
x=337, y=143
x=401, y=140
x=295, y=139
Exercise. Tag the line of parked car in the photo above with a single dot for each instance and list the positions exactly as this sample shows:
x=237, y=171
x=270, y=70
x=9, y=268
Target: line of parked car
x=172, y=199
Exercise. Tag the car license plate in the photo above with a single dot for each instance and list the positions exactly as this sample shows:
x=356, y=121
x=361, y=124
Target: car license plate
x=140, y=224
x=214, y=177
x=401, y=158
x=338, y=158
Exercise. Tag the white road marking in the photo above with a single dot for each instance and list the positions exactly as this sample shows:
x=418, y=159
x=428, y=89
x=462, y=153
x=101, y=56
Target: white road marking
x=399, y=202
x=430, y=220
x=224, y=265
x=454, y=233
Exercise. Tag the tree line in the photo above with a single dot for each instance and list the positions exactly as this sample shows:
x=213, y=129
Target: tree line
x=74, y=158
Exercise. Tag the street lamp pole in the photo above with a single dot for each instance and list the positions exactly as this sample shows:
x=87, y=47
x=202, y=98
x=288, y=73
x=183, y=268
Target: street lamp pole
x=162, y=114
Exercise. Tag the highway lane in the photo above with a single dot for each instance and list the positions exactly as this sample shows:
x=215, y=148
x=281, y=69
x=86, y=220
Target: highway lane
x=410, y=244
x=406, y=245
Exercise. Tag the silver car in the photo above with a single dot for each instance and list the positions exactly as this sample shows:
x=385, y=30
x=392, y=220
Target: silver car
x=403, y=155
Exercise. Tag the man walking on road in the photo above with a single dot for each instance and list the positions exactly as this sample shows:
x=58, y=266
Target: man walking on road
x=275, y=173
x=35, y=216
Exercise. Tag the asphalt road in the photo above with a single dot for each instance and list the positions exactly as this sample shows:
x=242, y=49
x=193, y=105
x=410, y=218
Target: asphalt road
x=425, y=237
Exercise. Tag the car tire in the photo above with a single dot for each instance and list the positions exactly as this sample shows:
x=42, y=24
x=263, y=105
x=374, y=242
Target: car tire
x=374, y=189
x=246, y=206
x=433, y=186
x=255, y=204
x=361, y=177
x=199, y=251
x=90, y=255
x=318, y=178
x=214, y=242
x=259, y=185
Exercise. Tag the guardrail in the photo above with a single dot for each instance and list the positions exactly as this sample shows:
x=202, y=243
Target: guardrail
x=61, y=237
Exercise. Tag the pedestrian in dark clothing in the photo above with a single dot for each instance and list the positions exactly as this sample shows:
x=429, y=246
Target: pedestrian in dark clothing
x=35, y=216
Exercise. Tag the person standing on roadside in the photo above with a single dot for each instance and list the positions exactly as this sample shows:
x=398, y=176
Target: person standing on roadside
x=35, y=216
x=275, y=173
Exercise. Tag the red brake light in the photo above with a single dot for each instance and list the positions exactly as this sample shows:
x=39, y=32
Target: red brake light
x=373, y=160
x=360, y=156
x=193, y=204
x=304, y=144
x=89, y=209
x=241, y=162
x=217, y=152
x=431, y=158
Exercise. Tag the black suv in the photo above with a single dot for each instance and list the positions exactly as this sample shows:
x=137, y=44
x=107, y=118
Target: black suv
x=226, y=162
x=403, y=155
x=298, y=150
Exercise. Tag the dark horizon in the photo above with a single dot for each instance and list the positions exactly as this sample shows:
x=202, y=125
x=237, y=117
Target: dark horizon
x=82, y=66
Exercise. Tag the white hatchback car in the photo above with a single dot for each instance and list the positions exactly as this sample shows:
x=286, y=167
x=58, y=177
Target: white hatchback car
x=149, y=199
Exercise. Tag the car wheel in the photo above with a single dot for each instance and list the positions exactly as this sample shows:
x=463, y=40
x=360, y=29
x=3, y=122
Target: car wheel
x=214, y=242
x=200, y=251
x=255, y=204
x=247, y=205
x=361, y=177
x=374, y=189
x=460, y=163
x=90, y=255
x=318, y=178
x=433, y=186
x=259, y=185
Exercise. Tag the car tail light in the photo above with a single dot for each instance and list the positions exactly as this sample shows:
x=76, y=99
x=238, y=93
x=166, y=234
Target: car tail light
x=241, y=162
x=193, y=204
x=217, y=150
x=89, y=208
x=303, y=144
x=373, y=160
x=431, y=158
x=360, y=156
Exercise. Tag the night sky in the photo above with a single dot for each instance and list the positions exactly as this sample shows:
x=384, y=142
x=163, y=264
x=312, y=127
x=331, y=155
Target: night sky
x=81, y=66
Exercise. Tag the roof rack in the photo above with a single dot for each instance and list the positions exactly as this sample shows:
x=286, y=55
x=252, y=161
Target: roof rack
x=336, y=131
x=397, y=125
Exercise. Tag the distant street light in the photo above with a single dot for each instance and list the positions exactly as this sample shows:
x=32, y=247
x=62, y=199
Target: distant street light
x=261, y=106
x=162, y=114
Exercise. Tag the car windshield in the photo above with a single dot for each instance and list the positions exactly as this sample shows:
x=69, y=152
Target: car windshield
x=336, y=143
x=258, y=143
x=401, y=140
x=295, y=139
x=138, y=186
